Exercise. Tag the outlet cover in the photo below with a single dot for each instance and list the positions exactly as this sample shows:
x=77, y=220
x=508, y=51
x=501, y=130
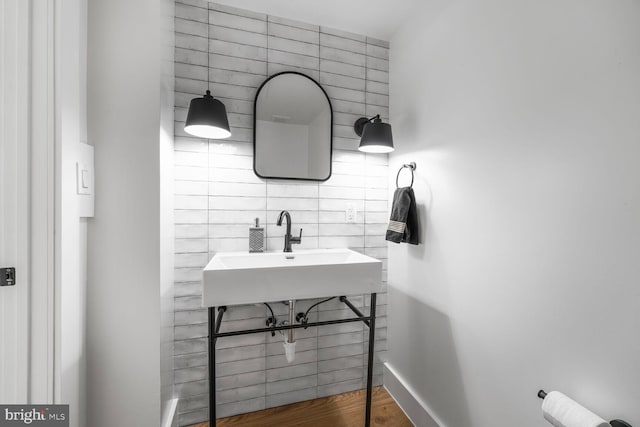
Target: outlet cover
x=351, y=213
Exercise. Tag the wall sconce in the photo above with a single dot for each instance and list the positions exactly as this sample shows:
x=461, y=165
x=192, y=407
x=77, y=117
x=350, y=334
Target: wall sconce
x=375, y=136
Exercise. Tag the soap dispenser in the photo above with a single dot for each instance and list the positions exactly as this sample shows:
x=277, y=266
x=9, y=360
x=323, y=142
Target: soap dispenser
x=256, y=237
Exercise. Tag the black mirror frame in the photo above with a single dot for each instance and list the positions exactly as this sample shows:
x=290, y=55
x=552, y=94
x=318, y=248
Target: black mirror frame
x=255, y=106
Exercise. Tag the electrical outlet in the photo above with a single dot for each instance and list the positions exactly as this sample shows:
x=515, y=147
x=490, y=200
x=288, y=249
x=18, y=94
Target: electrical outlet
x=351, y=213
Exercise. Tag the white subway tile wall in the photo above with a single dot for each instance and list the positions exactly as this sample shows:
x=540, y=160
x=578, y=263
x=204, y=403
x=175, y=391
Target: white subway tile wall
x=217, y=197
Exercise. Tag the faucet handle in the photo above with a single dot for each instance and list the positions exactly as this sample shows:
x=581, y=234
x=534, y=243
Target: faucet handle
x=296, y=240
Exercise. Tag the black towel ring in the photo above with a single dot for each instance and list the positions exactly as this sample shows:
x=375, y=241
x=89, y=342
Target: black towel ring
x=412, y=167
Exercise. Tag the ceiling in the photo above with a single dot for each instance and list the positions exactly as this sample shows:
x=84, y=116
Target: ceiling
x=374, y=18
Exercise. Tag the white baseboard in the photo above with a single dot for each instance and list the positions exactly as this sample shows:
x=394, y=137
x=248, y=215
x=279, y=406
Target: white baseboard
x=415, y=409
x=169, y=416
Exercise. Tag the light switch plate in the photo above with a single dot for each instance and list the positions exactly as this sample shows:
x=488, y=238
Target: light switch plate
x=351, y=213
x=84, y=181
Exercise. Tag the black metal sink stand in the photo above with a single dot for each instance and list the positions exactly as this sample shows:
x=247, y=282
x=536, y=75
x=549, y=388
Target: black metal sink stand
x=214, y=334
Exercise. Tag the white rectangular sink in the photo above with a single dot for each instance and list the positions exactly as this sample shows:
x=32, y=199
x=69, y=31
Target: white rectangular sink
x=233, y=278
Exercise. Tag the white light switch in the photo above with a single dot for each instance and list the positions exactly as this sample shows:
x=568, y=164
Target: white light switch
x=84, y=178
x=84, y=181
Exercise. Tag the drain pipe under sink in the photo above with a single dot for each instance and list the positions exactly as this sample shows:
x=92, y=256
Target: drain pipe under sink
x=290, y=341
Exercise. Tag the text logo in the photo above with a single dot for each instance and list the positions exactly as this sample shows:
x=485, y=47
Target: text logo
x=34, y=415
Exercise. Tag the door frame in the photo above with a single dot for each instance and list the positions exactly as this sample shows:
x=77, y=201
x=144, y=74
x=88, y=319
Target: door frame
x=27, y=110
x=42, y=357
x=14, y=160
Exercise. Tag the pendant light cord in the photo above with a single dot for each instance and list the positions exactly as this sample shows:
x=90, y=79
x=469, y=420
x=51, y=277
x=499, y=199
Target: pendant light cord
x=366, y=73
x=208, y=47
x=366, y=77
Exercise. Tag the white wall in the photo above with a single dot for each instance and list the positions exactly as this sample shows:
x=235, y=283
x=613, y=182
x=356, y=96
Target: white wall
x=70, y=230
x=126, y=91
x=524, y=120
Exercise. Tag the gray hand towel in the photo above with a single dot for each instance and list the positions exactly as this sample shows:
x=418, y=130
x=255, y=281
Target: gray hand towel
x=403, y=224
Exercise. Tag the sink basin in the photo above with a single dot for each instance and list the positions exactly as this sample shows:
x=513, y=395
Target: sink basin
x=233, y=278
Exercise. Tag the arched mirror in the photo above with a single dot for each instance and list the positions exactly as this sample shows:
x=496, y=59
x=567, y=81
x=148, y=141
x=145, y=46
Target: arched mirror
x=292, y=129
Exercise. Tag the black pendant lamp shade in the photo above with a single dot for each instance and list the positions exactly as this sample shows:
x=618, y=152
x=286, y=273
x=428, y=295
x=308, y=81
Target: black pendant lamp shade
x=207, y=118
x=375, y=136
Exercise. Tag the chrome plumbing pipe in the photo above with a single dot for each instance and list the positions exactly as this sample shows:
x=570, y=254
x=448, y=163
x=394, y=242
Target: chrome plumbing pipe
x=292, y=319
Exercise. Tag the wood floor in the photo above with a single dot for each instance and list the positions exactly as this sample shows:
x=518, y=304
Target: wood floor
x=343, y=410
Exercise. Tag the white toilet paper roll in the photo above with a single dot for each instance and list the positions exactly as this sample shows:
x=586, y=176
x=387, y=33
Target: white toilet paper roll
x=562, y=411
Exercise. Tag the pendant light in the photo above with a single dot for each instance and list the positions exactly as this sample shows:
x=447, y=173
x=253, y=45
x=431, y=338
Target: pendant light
x=375, y=136
x=207, y=116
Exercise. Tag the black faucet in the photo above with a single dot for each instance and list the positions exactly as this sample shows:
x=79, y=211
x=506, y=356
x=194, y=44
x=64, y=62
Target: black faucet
x=288, y=238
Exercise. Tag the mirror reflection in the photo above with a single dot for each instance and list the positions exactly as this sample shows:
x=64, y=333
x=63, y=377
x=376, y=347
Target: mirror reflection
x=292, y=129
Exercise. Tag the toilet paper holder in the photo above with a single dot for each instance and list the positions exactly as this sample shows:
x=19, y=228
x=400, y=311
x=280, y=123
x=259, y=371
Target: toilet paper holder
x=615, y=423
